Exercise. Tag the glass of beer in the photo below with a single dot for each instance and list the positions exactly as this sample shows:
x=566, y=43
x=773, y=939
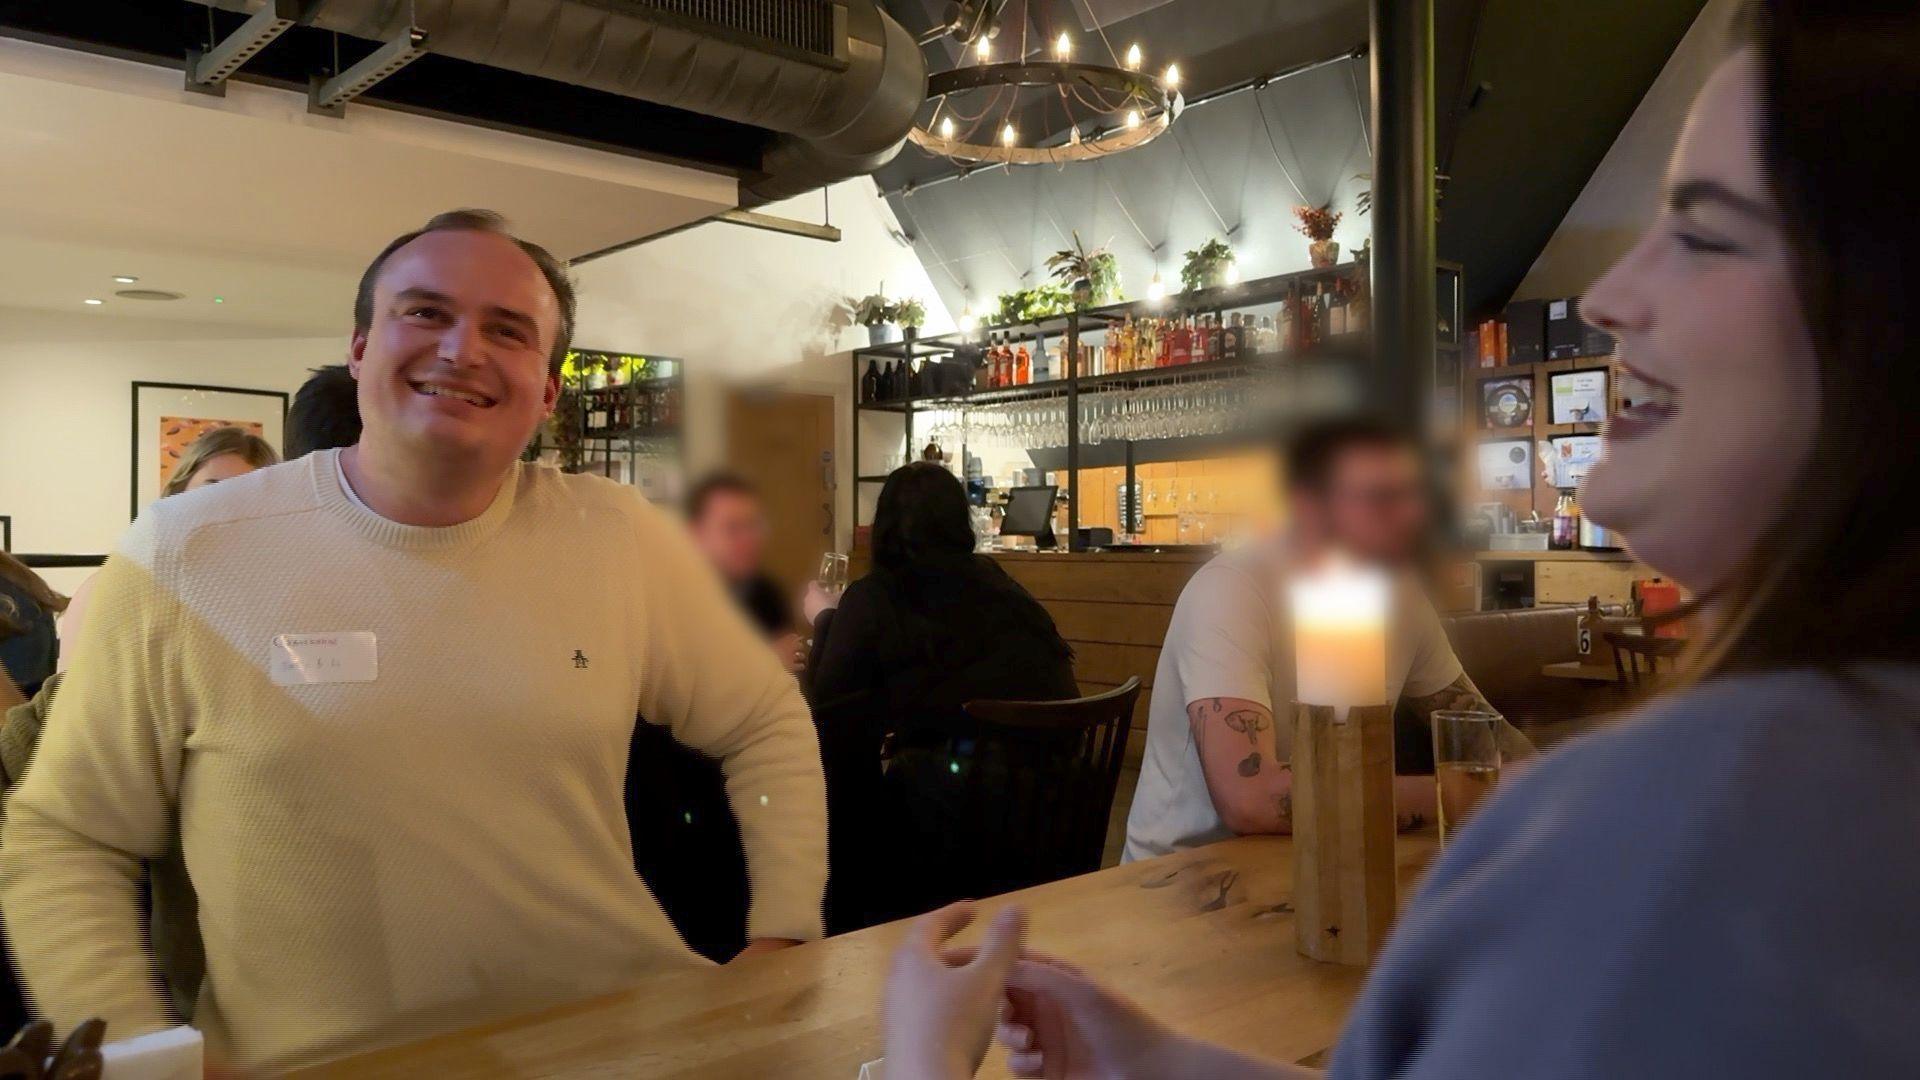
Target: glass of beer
x=1466, y=763
x=833, y=574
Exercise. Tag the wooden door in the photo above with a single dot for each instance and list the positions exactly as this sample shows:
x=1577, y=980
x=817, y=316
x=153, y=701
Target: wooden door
x=783, y=444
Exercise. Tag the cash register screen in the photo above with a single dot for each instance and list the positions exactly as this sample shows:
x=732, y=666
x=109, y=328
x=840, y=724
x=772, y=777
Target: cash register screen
x=1030, y=513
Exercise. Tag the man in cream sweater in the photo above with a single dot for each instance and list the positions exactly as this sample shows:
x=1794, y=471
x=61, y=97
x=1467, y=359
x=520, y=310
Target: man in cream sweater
x=384, y=695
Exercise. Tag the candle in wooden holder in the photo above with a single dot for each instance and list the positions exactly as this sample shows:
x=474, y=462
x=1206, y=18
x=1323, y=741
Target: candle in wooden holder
x=1343, y=818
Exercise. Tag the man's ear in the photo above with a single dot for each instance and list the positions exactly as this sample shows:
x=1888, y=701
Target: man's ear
x=551, y=395
x=356, y=348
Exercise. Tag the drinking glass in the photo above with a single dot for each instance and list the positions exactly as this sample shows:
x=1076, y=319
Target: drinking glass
x=833, y=574
x=1466, y=763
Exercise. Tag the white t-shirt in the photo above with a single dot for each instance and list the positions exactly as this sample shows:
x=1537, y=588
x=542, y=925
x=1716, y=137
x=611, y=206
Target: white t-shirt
x=1231, y=638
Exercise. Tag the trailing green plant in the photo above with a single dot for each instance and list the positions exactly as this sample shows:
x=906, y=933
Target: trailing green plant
x=1206, y=266
x=1098, y=268
x=910, y=313
x=1029, y=305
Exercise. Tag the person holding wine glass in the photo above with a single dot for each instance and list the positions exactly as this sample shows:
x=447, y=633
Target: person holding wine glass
x=1724, y=884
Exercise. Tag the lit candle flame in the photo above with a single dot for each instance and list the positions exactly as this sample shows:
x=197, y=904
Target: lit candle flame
x=983, y=49
x=1133, y=118
x=946, y=127
x=1173, y=76
x=1062, y=48
x=1134, y=58
x=1008, y=135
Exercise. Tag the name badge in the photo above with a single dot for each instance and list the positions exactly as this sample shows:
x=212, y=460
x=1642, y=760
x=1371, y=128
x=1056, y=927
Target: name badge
x=309, y=659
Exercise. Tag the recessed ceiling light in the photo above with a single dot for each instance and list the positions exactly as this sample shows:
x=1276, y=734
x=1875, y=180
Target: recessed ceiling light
x=125, y=279
x=148, y=294
x=93, y=301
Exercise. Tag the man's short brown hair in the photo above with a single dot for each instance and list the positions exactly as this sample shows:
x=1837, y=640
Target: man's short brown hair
x=1311, y=453
x=486, y=221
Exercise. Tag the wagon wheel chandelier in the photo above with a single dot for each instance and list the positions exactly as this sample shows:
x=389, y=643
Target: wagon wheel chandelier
x=1109, y=108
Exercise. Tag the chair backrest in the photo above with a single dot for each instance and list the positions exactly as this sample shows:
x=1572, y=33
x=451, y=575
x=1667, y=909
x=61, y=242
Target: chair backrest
x=1630, y=649
x=1042, y=783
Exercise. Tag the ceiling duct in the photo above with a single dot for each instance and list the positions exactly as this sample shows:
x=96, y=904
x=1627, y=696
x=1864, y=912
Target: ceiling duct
x=838, y=81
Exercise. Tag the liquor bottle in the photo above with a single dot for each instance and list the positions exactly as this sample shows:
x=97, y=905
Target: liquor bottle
x=1212, y=351
x=1337, y=315
x=993, y=363
x=1023, y=366
x=916, y=386
x=1182, y=350
x=1230, y=339
x=870, y=382
x=1566, y=523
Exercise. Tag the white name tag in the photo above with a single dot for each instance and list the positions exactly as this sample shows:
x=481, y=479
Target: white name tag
x=307, y=659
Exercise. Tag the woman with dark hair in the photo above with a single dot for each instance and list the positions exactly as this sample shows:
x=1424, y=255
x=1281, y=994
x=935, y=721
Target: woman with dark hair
x=933, y=626
x=1726, y=884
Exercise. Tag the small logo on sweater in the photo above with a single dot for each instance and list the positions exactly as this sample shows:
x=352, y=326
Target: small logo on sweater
x=579, y=659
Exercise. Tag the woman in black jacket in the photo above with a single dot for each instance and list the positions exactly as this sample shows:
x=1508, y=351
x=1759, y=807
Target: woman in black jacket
x=932, y=627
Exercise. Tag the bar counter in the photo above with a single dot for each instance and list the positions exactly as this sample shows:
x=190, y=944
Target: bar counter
x=1203, y=939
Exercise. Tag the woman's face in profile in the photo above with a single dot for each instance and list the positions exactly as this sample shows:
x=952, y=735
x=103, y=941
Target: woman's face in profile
x=1715, y=368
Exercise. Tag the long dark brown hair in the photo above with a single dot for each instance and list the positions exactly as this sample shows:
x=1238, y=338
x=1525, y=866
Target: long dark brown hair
x=1837, y=576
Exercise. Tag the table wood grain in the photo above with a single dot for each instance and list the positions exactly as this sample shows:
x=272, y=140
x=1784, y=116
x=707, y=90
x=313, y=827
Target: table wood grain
x=1202, y=938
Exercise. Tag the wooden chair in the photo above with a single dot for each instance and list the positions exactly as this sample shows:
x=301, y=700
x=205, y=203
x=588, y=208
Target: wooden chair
x=1629, y=650
x=1042, y=781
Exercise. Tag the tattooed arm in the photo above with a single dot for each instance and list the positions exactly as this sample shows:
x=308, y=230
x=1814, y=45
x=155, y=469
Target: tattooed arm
x=1462, y=695
x=1247, y=778
x=1251, y=780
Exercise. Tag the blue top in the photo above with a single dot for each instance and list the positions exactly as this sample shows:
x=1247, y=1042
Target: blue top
x=1727, y=885
x=28, y=657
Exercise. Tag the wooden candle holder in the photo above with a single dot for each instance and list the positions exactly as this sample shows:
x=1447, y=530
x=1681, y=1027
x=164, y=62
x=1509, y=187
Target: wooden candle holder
x=1343, y=830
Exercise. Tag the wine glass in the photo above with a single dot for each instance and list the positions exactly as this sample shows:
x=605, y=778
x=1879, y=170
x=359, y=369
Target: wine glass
x=832, y=577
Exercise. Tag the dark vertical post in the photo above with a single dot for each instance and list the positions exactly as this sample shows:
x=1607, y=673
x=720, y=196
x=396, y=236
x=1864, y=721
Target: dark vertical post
x=1403, y=206
x=1070, y=350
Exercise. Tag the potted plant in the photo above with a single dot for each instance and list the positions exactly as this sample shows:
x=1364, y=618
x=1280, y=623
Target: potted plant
x=876, y=313
x=1091, y=277
x=1206, y=266
x=911, y=314
x=1318, y=223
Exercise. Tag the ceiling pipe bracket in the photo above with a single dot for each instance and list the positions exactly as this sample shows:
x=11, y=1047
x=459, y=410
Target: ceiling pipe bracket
x=330, y=97
x=207, y=70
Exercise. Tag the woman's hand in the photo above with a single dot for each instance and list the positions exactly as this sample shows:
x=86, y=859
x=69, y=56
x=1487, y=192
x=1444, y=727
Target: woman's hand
x=1065, y=1026
x=941, y=1004
x=816, y=600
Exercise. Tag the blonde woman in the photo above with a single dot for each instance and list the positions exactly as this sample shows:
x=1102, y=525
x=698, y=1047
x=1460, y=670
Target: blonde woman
x=220, y=454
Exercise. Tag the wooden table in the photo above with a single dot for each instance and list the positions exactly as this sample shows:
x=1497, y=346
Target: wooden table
x=1203, y=939
x=1575, y=669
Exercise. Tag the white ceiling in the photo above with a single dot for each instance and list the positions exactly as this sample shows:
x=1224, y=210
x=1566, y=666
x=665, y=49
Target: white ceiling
x=109, y=167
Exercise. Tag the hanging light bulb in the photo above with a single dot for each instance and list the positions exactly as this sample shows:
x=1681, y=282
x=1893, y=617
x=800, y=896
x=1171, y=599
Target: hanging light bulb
x=983, y=49
x=1062, y=48
x=946, y=127
x=1233, y=271
x=1134, y=58
x=1156, y=289
x=1133, y=118
x=968, y=320
x=1007, y=135
x=1173, y=76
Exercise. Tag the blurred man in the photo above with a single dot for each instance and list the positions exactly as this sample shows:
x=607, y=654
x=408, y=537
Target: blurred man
x=382, y=696
x=1217, y=754
x=729, y=525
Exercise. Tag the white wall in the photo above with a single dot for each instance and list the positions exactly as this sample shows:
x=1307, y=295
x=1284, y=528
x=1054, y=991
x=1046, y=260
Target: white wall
x=746, y=306
x=1623, y=194
x=66, y=409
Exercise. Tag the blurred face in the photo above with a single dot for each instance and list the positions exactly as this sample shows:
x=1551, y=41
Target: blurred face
x=454, y=363
x=217, y=468
x=1715, y=367
x=732, y=531
x=1374, y=506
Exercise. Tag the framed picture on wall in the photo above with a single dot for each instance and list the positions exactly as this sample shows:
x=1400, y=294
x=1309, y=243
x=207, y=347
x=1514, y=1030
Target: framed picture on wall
x=1579, y=397
x=167, y=417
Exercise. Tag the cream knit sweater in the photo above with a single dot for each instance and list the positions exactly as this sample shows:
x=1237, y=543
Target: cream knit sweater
x=381, y=860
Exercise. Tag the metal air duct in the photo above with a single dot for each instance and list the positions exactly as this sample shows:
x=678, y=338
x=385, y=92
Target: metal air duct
x=838, y=80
